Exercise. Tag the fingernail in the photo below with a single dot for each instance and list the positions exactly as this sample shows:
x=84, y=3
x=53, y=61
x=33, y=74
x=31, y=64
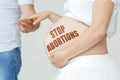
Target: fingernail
x=52, y=55
x=34, y=23
x=48, y=55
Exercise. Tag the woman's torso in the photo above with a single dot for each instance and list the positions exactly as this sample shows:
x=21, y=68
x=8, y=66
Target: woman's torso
x=67, y=26
x=81, y=10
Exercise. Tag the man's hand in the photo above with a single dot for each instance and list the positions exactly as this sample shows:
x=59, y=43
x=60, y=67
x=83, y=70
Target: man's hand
x=26, y=25
x=58, y=59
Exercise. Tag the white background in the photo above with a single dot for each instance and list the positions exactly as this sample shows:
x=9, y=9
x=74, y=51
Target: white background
x=35, y=65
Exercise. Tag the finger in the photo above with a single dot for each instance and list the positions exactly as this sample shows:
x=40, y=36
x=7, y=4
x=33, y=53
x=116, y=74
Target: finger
x=37, y=21
x=18, y=21
x=27, y=25
x=54, y=64
x=23, y=28
x=48, y=56
x=52, y=54
x=57, y=65
x=29, y=21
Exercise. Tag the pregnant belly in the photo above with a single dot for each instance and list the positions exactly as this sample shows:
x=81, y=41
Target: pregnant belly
x=63, y=34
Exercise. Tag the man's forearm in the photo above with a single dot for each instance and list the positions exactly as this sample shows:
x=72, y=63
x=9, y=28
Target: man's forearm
x=26, y=25
x=27, y=10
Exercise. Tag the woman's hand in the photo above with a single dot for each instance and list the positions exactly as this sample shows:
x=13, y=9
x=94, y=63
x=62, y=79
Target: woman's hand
x=32, y=23
x=45, y=15
x=39, y=17
x=58, y=59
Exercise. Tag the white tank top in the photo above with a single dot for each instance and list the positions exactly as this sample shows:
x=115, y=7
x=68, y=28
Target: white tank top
x=82, y=10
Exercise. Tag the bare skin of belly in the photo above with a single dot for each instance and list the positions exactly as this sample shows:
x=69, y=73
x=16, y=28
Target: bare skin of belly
x=65, y=32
